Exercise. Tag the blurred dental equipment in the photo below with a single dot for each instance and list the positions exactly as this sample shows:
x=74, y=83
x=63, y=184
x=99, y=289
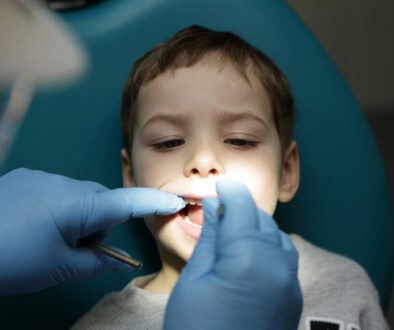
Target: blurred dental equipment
x=37, y=50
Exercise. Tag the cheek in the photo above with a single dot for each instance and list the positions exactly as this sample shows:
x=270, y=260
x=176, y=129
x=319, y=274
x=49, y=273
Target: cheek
x=266, y=198
x=262, y=180
x=152, y=170
x=156, y=225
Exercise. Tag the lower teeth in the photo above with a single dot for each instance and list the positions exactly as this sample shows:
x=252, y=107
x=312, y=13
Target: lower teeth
x=187, y=219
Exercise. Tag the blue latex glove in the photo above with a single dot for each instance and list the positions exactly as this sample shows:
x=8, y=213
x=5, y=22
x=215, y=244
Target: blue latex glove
x=43, y=215
x=242, y=274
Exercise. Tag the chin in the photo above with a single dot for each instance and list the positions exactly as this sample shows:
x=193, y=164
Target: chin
x=186, y=254
x=183, y=249
x=175, y=246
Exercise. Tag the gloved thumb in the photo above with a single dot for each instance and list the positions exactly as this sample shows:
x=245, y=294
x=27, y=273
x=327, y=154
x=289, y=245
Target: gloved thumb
x=203, y=258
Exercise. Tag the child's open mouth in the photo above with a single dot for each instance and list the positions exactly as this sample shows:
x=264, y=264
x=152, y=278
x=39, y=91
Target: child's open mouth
x=192, y=217
x=193, y=213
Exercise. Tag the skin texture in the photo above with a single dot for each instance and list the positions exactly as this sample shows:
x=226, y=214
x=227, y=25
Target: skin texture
x=193, y=125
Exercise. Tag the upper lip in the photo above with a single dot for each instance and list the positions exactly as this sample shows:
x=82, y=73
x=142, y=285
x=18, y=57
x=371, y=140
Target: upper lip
x=195, y=198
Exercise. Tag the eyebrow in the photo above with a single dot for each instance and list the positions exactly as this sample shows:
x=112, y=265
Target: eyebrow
x=176, y=119
x=179, y=119
x=229, y=117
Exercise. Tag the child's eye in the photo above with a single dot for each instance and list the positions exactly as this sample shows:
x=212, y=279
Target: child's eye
x=168, y=145
x=241, y=143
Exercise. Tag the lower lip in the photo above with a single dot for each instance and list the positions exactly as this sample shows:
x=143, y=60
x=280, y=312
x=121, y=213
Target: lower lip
x=189, y=229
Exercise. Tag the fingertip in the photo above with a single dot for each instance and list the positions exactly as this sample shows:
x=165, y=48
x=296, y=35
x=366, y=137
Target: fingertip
x=238, y=211
x=225, y=185
x=112, y=207
x=170, y=204
x=211, y=206
x=235, y=197
x=233, y=194
x=211, y=202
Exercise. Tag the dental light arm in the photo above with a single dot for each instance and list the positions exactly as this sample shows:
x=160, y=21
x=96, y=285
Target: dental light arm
x=37, y=50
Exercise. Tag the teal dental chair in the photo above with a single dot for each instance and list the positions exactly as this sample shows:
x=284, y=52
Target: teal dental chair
x=343, y=202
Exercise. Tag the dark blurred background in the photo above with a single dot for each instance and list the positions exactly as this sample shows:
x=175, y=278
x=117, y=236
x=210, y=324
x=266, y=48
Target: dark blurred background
x=359, y=37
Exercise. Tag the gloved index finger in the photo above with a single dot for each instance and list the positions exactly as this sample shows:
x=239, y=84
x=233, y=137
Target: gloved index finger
x=112, y=207
x=239, y=210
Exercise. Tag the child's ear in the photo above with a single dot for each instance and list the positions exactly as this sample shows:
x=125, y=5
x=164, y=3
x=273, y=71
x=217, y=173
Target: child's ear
x=127, y=170
x=290, y=177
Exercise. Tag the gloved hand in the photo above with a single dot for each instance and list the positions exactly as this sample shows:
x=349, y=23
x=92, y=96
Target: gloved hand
x=42, y=216
x=242, y=274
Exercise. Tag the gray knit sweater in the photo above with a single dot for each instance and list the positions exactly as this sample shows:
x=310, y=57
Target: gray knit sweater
x=338, y=295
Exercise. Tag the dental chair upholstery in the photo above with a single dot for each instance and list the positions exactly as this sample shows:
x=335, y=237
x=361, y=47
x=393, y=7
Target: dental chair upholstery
x=343, y=201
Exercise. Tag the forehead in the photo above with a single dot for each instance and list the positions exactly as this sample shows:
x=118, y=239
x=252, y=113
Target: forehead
x=205, y=87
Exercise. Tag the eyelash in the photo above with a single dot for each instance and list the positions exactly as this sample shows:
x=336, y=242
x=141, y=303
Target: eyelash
x=245, y=144
x=240, y=144
x=167, y=145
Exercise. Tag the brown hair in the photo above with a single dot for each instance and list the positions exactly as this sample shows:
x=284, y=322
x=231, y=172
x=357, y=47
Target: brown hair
x=191, y=45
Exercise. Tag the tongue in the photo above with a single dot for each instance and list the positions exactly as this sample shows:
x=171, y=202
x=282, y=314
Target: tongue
x=196, y=214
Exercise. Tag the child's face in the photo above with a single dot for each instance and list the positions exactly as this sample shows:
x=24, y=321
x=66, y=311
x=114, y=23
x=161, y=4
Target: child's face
x=195, y=124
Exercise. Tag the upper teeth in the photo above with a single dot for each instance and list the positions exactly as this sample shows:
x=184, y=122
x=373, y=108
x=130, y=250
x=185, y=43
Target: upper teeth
x=192, y=201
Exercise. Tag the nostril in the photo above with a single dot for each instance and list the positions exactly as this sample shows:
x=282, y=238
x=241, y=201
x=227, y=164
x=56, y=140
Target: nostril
x=212, y=171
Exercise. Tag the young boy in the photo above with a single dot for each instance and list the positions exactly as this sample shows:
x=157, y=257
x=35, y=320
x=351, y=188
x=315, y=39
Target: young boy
x=204, y=104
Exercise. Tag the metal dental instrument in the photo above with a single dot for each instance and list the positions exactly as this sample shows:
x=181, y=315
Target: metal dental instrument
x=92, y=244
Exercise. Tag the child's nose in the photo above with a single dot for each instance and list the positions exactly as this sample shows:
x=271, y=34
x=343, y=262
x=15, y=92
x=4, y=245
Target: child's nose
x=203, y=163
